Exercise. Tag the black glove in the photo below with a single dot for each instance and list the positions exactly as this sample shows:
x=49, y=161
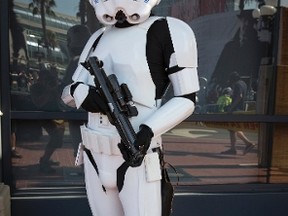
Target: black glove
x=142, y=143
x=143, y=138
x=94, y=102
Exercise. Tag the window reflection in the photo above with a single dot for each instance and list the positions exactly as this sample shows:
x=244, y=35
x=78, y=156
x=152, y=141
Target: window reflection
x=50, y=140
x=37, y=42
x=246, y=52
x=193, y=149
x=196, y=152
x=42, y=60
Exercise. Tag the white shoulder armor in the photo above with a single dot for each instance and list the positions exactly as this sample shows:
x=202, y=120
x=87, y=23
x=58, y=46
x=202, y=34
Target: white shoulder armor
x=81, y=74
x=184, y=42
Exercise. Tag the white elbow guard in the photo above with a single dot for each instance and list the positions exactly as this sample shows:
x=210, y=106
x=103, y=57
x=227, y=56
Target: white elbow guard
x=80, y=93
x=169, y=115
x=185, y=81
x=78, y=97
x=67, y=98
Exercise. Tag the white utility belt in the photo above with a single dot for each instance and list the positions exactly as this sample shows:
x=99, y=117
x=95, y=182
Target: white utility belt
x=105, y=141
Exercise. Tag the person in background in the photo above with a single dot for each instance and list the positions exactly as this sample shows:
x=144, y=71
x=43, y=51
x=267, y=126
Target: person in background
x=239, y=89
x=14, y=152
x=243, y=53
x=225, y=100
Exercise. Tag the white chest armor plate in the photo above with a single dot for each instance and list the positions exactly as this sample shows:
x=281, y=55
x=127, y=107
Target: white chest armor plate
x=127, y=59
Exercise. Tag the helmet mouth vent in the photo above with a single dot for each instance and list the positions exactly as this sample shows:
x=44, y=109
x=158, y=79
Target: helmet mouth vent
x=110, y=12
x=120, y=16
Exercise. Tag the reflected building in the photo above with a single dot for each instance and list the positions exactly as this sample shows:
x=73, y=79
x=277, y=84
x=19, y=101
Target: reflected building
x=32, y=29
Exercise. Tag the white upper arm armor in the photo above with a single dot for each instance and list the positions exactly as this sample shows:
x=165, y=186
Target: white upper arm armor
x=184, y=43
x=185, y=81
x=185, y=55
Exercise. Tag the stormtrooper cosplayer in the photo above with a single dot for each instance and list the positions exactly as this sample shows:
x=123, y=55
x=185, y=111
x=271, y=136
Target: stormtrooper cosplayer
x=147, y=53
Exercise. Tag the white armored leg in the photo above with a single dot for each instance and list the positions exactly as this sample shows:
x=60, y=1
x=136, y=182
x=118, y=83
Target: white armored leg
x=139, y=197
x=101, y=203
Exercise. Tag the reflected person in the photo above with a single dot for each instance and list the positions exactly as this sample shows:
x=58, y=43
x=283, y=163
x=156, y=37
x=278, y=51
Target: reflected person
x=239, y=90
x=243, y=54
x=77, y=37
x=45, y=96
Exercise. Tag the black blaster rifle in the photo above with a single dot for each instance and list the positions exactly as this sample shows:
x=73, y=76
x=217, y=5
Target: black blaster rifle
x=119, y=100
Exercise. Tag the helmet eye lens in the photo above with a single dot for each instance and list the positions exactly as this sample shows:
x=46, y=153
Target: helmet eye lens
x=108, y=18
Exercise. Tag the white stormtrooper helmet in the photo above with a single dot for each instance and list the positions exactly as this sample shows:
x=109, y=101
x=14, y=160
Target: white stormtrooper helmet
x=109, y=12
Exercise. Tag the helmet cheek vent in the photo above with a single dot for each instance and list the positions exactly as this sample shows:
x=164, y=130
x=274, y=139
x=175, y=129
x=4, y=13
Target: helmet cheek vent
x=108, y=18
x=135, y=17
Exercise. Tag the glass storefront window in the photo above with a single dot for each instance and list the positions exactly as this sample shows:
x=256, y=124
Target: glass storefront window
x=203, y=153
x=37, y=139
x=39, y=52
x=43, y=57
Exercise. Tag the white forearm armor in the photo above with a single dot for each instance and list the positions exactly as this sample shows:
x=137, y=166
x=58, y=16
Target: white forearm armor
x=184, y=82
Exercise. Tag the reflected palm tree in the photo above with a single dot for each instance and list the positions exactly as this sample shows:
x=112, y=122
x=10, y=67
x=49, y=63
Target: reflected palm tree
x=87, y=16
x=43, y=7
x=92, y=22
x=82, y=13
x=51, y=38
x=17, y=36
